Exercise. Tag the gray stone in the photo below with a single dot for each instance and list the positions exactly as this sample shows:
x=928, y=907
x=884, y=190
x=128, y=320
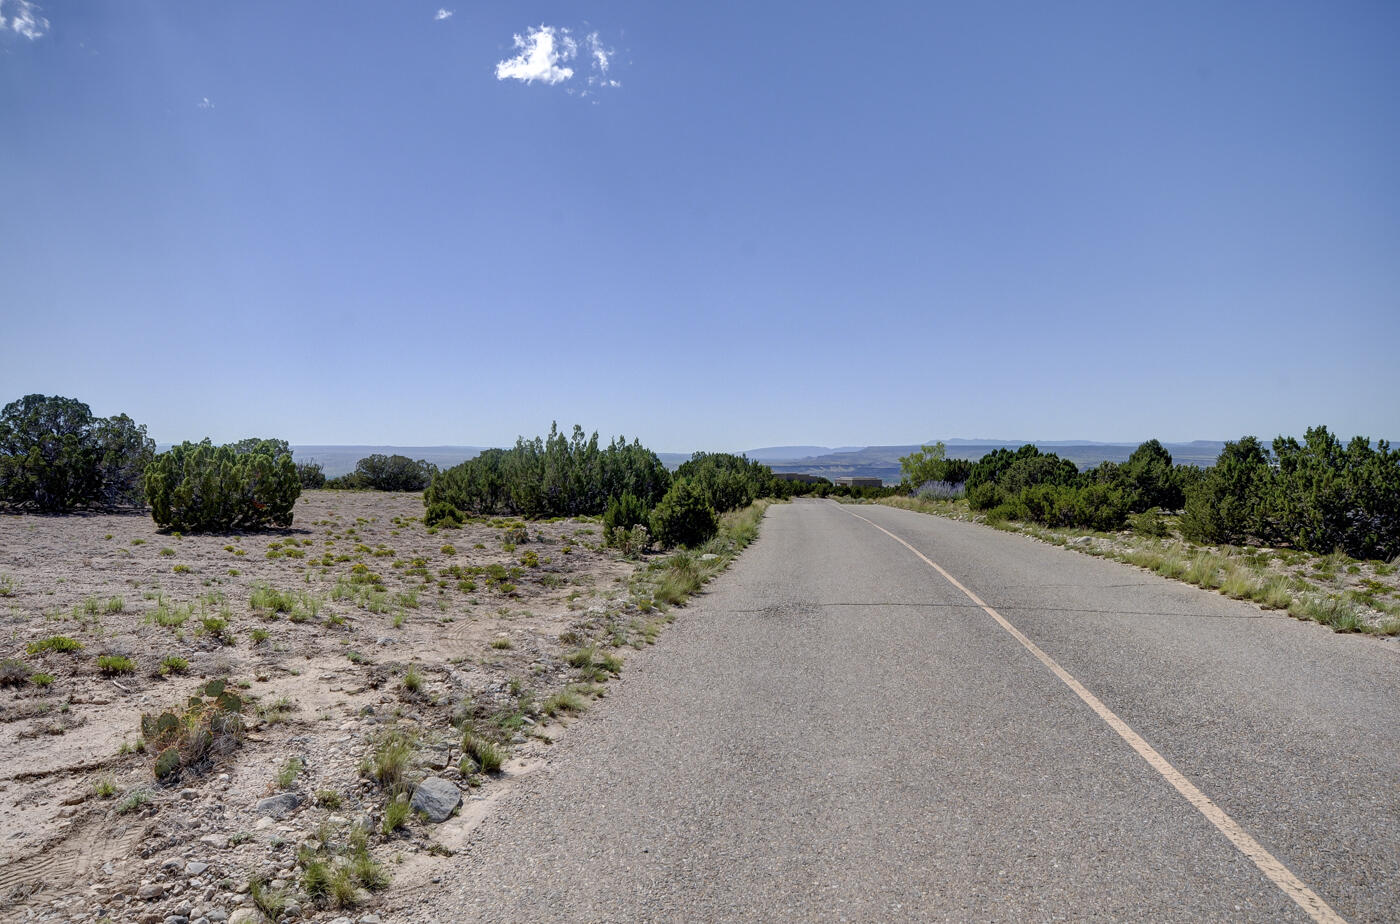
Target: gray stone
x=245, y=916
x=151, y=892
x=437, y=798
x=195, y=868
x=279, y=805
x=176, y=919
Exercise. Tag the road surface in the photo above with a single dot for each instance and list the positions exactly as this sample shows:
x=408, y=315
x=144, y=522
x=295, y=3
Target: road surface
x=837, y=731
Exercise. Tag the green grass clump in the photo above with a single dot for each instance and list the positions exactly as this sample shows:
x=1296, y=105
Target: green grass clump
x=396, y=813
x=487, y=755
x=1273, y=593
x=41, y=680
x=173, y=664
x=316, y=878
x=502, y=643
x=373, y=876
x=287, y=773
x=1239, y=584
x=115, y=664
x=581, y=657
x=1330, y=611
x=57, y=643
x=271, y=902
x=413, y=679
x=1203, y=571
x=169, y=617
x=270, y=601
x=564, y=701
x=388, y=763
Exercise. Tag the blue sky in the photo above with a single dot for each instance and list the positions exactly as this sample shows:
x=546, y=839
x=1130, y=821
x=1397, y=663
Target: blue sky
x=759, y=224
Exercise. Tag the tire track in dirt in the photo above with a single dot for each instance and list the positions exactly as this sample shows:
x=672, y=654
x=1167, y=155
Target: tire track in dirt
x=64, y=865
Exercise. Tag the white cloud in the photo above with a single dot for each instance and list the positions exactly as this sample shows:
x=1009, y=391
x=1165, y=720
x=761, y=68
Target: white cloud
x=24, y=19
x=600, y=54
x=205, y=104
x=542, y=54
x=443, y=14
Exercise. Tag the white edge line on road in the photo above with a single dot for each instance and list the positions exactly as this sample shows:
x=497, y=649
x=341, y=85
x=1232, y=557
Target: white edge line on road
x=1268, y=864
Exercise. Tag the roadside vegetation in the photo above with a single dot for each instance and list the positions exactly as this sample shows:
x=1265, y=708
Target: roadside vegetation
x=389, y=652
x=1312, y=528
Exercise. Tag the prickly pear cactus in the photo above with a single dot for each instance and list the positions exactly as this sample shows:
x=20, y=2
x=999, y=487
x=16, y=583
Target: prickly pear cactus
x=168, y=763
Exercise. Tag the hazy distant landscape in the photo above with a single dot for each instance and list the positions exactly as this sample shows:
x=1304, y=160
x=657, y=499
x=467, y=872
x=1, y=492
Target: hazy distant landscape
x=828, y=462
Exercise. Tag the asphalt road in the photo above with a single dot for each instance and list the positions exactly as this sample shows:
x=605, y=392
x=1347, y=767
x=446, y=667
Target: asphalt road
x=834, y=731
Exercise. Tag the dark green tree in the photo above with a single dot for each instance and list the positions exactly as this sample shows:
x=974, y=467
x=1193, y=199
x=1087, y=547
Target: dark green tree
x=201, y=487
x=684, y=516
x=55, y=456
x=394, y=473
x=1232, y=501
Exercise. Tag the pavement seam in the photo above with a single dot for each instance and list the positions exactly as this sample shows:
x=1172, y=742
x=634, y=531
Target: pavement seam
x=1306, y=899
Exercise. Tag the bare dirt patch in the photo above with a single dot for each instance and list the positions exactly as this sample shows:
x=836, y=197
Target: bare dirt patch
x=353, y=630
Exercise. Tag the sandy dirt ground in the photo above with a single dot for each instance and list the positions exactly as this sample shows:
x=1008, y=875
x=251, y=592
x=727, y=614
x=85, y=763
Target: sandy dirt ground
x=355, y=627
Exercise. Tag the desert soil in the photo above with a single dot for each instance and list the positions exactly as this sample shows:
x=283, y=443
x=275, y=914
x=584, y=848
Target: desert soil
x=487, y=621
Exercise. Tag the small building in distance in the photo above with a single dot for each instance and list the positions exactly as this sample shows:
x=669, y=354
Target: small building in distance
x=852, y=481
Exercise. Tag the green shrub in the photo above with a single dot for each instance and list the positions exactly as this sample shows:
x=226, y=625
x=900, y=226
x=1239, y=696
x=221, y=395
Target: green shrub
x=984, y=496
x=1149, y=523
x=931, y=465
x=1329, y=496
x=393, y=473
x=683, y=517
x=199, y=486
x=624, y=513
x=726, y=481
x=54, y=455
x=311, y=475
x=1230, y=503
x=554, y=476
x=443, y=515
